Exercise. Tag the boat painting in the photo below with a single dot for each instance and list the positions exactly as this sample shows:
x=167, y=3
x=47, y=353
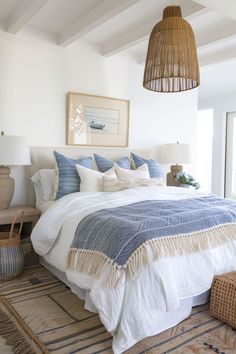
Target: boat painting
x=97, y=120
x=101, y=120
x=96, y=125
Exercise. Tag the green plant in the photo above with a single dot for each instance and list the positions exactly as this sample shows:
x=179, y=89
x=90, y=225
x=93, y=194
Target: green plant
x=187, y=179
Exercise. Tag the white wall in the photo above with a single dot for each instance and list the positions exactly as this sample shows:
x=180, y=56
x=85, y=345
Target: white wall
x=217, y=91
x=36, y=75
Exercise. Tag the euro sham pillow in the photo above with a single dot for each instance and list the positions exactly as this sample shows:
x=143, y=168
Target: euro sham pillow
x=115, y=184
x=140, y=172
x=91, y=180
x=43, y=182
x=154, y=168
x=67, y=175
x=104, y=164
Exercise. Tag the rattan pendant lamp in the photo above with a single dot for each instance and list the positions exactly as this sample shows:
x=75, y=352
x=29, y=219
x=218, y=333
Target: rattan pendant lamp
x=171, y=62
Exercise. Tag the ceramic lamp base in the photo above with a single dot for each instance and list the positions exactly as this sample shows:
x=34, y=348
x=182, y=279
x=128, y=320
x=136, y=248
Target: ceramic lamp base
x=170, y=177
x=7, y=186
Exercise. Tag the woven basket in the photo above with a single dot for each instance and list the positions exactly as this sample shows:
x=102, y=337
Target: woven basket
x=223, y=298
x=11, y=253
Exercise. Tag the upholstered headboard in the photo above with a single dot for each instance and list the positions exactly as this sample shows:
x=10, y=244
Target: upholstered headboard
x=42, y=157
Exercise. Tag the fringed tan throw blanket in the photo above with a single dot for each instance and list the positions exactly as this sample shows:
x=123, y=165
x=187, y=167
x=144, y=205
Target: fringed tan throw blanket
x=130, y=237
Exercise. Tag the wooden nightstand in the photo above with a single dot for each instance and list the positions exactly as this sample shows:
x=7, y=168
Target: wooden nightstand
x=30, y=218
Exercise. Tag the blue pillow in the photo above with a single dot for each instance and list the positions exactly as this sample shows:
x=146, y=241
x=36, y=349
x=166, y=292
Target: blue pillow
x=69, y=180
x=105, y=164
x=154, y=168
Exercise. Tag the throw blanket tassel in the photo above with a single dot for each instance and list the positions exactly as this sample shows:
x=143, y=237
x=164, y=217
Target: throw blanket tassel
x=92, y=262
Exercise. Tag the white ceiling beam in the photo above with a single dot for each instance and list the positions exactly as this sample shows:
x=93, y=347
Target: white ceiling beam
x=216, y=58
x=130, y=39
x=224, y=7
x=220, y=50
x=141, y=34
x=26, y=10
x=220, y=40
x=94, y=18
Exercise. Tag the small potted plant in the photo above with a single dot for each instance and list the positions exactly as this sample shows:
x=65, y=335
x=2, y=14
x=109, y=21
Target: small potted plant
x=186, y=180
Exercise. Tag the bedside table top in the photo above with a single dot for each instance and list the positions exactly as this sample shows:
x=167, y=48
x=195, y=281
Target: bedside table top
x=30, y=214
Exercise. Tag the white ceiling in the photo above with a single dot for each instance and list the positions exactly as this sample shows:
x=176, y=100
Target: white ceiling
x=7, y=7
x=225, y=7
x=217, y=81
x=125, y=25
x=57, y=15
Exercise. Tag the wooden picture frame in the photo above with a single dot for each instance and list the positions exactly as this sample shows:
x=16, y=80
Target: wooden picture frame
x=97, y=121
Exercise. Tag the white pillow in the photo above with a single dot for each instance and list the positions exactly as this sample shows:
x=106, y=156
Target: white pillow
x=115, y=184
x=140, y=172
x=91, y=180
x=43, y=181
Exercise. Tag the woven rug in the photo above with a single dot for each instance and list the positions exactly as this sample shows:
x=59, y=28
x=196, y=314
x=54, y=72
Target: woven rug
x=39, y=314
x=4, y=348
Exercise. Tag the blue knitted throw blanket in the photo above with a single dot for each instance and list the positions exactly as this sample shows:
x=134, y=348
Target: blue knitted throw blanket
x=129, y=237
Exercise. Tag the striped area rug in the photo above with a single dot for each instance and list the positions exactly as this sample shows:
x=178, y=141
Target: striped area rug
x=39, y=314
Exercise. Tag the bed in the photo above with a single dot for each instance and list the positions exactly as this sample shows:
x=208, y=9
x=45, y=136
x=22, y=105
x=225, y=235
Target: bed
x=158, y=289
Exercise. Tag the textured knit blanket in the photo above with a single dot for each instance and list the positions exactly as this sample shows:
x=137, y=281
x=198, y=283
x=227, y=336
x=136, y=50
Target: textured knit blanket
x=130, y=237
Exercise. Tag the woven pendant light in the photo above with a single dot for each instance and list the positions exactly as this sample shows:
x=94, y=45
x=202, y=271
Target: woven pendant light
x=171, y=63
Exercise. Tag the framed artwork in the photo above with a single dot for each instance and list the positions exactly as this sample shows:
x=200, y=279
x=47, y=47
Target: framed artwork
x=97, y=120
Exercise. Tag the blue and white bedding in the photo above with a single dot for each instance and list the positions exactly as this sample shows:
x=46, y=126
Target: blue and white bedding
x=132, y=307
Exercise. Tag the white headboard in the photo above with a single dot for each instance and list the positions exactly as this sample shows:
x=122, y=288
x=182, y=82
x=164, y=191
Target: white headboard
x=42, y=157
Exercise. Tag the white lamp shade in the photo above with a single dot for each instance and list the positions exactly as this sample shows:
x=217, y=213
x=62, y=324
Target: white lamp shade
x=14, y=151
x=176, y=153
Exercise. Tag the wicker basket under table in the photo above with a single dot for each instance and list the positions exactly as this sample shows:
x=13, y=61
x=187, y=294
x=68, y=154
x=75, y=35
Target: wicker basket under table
x=223, y=298
x=11, y=253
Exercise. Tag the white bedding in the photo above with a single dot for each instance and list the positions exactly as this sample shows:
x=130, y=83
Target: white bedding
x=134, y=309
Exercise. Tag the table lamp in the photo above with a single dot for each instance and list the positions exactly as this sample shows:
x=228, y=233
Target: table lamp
x=14, y=151
x=175, y=154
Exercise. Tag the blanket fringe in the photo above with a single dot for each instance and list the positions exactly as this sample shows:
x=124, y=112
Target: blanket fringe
x=13, y=337
x=92, y=262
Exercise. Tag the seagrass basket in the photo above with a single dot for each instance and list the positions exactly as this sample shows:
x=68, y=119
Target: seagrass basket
x=223, y=298
x=11, y=253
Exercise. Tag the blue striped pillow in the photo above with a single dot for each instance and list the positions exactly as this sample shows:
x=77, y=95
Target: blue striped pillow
x=104, y=165
x=69, y=180
x=154, y=168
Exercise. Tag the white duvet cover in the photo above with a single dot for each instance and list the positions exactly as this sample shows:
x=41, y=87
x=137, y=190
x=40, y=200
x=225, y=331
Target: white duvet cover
x=132, y=310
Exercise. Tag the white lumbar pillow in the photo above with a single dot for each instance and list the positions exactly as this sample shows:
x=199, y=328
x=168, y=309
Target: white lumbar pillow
x=140, y=172
x=91, y=180
x=117, y=184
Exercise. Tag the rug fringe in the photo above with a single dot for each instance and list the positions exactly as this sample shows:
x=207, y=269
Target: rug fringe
x=91, y=262
x=13, y=338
